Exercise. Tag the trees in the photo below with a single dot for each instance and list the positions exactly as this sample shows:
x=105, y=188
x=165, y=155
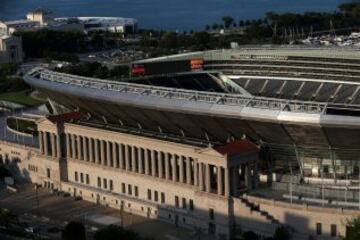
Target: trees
x=227, y=20
x=113, y=232
x=353, y=229
x=74, y=231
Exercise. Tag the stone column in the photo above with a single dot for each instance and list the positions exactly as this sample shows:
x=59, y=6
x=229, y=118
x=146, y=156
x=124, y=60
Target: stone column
x=68, y=147
x=46, y=147
x=58, y=145
x=41, y=145
x=91, y=150
x=208, y=182
x=86, y=149
x=102, y=152
x=248, y=176
x=133, y=159
x=235, y=179
x=115, y=158
x=127, y=158
x=153, y=163
x=227, y=183
x=219, y=181
x=196, y=173
x=188, y=170
x=160, y=164
x=181, y=169
x=73, y=146
x=121, y=156
x=174, y=167
x=109, y=154
x=140, y=161
x=167, y=166
x=79, y=150
x=146, y=161
x=96, y=143
x=53, y=146
x=201, y=176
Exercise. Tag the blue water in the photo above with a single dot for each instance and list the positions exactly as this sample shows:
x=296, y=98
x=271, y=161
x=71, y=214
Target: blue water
x=167, y=14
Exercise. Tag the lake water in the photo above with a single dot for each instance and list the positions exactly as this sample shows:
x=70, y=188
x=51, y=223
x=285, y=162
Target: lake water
x=167, y=14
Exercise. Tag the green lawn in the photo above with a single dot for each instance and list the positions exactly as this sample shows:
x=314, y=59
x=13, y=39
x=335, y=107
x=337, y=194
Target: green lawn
x=21, y=97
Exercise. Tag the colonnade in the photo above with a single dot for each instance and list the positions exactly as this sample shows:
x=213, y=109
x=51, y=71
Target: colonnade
x=49, y=144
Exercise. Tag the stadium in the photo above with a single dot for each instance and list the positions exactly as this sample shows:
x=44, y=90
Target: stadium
x=297, y=108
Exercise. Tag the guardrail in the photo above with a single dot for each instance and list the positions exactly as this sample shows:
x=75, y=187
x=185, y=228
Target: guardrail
x=174, y=93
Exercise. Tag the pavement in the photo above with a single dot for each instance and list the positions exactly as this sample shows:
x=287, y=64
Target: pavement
x=45, y=210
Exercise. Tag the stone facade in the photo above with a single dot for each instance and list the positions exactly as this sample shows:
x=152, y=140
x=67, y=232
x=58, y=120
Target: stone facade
x=184, y=184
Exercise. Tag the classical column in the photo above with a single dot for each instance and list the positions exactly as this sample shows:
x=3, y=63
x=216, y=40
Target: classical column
x=188, y=170
x=235, y=179
x=41, y=142
x=108, y=154
x=174, y=167
x=73, y=146
x=97, y=159
x=167, y=166
x=115, y=157
x=196, y=173
x=146, y=161
x=53, y=147
x=248, y=176
x=121, y=156
x=201, y=176
x=102, y=153
x=140, y=161
x=91, y=150
x=133, y=159
x=153, y=163
x=160, y=164
x=86, y=149
x=227, y=183
x=79, y=150
x=181, y=169
x=68, y=153
x=208, y=182
x=127, y=158
x=58, y=145
x=219, y=181
x=46, y=143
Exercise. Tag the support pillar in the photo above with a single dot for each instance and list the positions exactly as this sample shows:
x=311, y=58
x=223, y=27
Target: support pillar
x=181, y=169
x=167, y=166
x=219, y=181
x=235, y=180
x=73, y=146
x=58, y=146
x=160, y=164
x=91, y=150
x=97, y=158
x=121, y=156
x=208, y=182
x=68, y=147
x=109, y=162
x=79, y=150
x=248, y=176
x=196, y=173
x=127, y=157
x=227, y=182
x=174, y=167
x=133, y=159
x=102, y=153
x=86, y=148
x=140, y=160
x=53, y=146
x=46, y=147
x=201, y=176
x=188, y=170
x=153, y=163
x=146, y=161
x=115, y=157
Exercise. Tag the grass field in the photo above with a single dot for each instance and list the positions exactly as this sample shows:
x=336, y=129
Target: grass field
x=21, y=97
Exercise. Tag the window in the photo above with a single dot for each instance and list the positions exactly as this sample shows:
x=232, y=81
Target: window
x=149, y=194
x=48, y=172
x=184, y=203
x=87, y=179
x=333, y=230
x=123, y=188
x=111, y=186
x=76, y=177
x=156, y=197
x=176, y=201
x=136, y=190
x=162, y=197
x=130, y=189
x=81, y=177
x=318, y=229
x=191, y=205
x=211, y=214
x=99, y=182
x=105, y=183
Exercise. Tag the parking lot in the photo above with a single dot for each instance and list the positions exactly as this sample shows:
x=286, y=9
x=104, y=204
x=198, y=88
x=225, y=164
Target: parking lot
x=46, y=212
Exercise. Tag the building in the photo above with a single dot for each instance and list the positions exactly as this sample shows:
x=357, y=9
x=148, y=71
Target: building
x=40, y=15
x=227, y=140
x=10, y=49
x=9, y=27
